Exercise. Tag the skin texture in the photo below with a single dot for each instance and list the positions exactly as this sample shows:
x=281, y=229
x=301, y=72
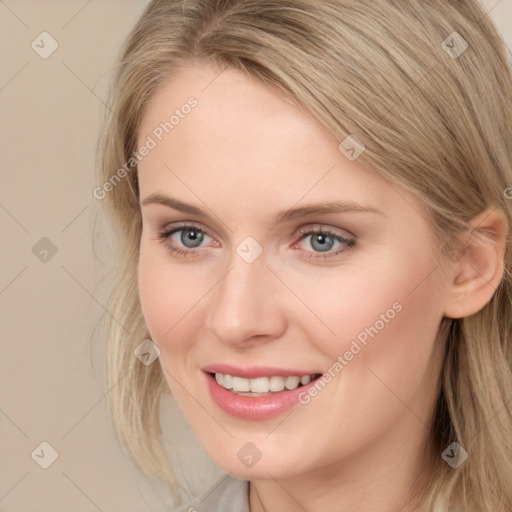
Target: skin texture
x=242, y=155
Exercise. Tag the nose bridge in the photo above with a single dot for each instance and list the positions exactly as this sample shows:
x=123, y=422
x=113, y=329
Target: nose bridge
x=244, y=306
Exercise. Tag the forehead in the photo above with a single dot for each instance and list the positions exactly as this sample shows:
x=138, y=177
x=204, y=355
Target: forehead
x=242, y=141
x=233, y=111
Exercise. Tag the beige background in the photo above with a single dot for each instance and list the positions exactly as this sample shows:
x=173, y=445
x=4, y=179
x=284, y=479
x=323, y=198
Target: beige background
x=49, y=110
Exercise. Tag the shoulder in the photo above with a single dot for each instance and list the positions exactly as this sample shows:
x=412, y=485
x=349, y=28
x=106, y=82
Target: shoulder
x=227, y=494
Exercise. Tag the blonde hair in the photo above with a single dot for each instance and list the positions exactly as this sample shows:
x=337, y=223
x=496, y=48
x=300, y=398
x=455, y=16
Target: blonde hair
x=437, y=123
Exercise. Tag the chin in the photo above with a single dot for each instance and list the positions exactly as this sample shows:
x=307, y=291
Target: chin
x=248, y=462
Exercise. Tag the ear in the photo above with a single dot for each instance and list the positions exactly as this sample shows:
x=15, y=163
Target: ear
x=478, y=266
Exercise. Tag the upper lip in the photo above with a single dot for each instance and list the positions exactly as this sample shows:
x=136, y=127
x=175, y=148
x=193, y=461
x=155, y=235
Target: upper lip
x=254, y=372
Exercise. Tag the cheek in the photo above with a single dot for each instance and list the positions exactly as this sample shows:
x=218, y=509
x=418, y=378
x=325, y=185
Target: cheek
x=385, y=318
x=169, y=305
x=387, y=340
x=167, y=296
x=383, y=354
x=391, y=302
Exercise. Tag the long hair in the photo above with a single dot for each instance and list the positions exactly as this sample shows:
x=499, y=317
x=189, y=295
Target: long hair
x=426, y=86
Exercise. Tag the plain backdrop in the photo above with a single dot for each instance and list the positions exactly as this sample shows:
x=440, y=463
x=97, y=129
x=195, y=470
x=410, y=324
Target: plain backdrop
x=52, y=288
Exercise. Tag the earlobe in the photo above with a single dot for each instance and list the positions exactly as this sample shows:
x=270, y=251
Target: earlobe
x=478, y=269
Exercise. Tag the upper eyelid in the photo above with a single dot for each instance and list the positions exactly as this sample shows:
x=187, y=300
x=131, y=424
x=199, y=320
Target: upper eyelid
x=310, y=228
x=320, y=229
x=176, y=227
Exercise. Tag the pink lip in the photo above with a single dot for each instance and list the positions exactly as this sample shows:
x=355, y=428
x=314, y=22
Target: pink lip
x=254, y=408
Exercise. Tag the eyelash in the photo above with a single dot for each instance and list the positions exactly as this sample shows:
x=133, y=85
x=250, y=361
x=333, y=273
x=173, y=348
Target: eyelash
x=348, y=243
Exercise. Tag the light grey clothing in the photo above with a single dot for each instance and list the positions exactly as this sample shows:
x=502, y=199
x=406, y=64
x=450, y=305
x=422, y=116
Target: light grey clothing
x=228, y=494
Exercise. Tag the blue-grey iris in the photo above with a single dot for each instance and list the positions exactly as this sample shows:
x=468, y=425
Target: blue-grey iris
x=321, y=242
x=191, y=236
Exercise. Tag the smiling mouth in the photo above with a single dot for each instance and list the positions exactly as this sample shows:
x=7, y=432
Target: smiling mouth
x=262, y=386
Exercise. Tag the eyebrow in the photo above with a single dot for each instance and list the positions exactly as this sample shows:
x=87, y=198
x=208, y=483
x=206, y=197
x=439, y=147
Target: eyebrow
x=331, y=207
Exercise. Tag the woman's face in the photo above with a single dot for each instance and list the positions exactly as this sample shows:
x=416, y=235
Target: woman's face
x=268, y=256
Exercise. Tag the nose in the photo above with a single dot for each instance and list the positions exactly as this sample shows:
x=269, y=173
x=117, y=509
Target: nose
x=245, y=307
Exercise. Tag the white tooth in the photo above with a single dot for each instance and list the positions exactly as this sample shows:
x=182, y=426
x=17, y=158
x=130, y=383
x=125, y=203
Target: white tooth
x=240, y=384
x=228, y=382
x=305, y=379
x=276, y=383
x=291, y=382
x=259, y=385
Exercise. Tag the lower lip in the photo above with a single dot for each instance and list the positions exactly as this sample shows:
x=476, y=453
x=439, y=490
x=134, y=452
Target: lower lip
x=254, y=408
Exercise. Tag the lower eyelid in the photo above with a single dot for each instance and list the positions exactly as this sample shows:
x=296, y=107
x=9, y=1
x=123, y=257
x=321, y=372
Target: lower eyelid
x=311, y=255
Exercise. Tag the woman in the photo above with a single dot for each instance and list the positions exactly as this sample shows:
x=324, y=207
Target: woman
x=313, y=208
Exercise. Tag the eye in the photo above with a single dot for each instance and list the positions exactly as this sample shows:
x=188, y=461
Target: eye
x=187, y=240
x=183, y=239
x=323, y=241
